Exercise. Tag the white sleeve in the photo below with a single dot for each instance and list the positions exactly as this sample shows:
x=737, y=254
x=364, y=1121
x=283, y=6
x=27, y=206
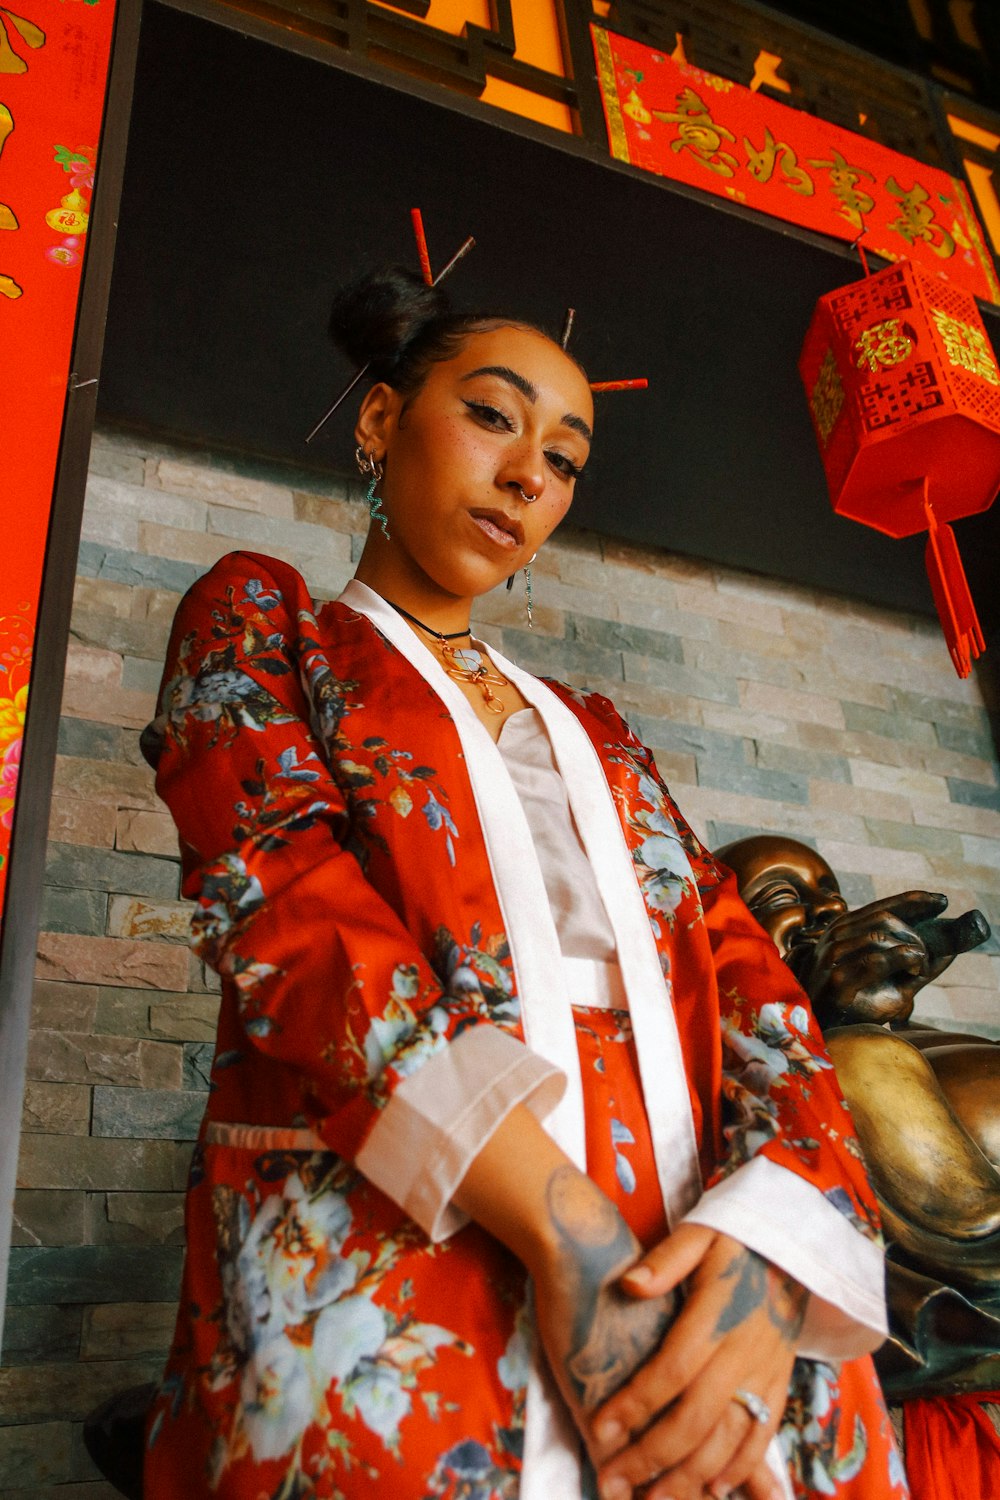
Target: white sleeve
x=790, y=1222
x=439, y=1118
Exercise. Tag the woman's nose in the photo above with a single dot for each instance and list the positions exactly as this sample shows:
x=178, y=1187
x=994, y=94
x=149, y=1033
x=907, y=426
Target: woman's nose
x=524, y=473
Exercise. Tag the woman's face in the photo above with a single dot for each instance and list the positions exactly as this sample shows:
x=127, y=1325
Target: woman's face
x=509, y=413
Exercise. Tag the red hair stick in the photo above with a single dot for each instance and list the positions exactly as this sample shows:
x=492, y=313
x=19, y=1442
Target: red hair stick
x=618, y=385
x=417, y=220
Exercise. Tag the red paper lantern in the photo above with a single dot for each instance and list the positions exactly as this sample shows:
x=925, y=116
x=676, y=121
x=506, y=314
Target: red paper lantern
x=904, y=392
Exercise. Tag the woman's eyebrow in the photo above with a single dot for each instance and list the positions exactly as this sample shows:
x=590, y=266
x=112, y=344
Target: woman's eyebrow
x=504, y=372
x=578, y=425
x=530, y=392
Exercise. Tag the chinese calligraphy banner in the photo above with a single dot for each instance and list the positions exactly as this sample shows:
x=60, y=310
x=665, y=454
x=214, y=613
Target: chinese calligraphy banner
x=680, y=122
x=53, y=73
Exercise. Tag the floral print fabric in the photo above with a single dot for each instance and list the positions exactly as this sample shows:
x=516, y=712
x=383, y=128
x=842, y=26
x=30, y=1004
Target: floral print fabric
x=325, y=1347
x=310, y=1361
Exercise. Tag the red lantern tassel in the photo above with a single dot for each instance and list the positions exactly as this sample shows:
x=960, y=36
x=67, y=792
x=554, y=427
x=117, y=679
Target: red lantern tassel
x=950, y=588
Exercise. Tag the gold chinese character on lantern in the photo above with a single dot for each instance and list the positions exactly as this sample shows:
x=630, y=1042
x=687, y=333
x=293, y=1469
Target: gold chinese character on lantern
x=965, y=346
x=698, y=133
x=827, y=397
x=883, y=344
x=916, y=221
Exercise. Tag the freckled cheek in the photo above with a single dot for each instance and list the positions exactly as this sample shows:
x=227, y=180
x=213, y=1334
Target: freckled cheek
x=459, y=436
x=545, y=516
x=455, y=457
x=437, y=464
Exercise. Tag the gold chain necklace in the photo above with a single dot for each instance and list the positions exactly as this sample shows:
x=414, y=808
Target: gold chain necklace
x=463, y=663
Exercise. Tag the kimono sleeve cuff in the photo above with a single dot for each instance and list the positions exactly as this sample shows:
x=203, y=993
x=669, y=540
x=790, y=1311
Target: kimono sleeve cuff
x=439, y=1118
x=789, y=1221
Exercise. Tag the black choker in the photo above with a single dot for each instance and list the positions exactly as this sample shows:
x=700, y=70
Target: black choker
x=440, y=634
x=465, y=665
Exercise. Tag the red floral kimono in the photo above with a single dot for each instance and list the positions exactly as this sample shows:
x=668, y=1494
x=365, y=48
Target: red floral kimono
x=366, y=885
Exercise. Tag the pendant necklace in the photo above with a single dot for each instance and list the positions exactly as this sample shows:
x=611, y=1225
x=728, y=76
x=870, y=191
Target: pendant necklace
x=463, y=663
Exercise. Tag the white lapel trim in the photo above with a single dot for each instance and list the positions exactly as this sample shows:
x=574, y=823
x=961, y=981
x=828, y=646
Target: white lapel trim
x=551, y=1463
x=661, y=1062
x=548, y=1026
x=546, y=1016
x=551, y=1454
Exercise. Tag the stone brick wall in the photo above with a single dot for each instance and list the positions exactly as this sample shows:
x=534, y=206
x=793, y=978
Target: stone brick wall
x=770, y=708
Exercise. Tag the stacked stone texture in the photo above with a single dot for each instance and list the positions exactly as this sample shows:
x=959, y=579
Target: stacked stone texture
x=769, y=707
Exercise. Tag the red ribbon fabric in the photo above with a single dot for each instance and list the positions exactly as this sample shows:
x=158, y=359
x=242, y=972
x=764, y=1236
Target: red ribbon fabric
x=952, y=1448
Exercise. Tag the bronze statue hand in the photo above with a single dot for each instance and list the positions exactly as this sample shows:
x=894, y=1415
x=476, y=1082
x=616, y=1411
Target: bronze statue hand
x=867, y=965
x=946, y=937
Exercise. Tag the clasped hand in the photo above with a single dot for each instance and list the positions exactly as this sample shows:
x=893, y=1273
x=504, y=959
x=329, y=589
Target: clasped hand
x=652, y=1387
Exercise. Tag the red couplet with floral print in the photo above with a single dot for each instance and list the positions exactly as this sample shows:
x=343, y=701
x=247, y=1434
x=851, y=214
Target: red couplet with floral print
x=53, y=74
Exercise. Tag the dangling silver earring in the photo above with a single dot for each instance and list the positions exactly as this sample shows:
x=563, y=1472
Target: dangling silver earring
x=528, y=598
x=371, y=469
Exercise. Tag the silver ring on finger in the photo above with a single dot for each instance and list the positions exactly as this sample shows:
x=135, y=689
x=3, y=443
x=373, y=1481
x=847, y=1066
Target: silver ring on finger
x=755, y=1405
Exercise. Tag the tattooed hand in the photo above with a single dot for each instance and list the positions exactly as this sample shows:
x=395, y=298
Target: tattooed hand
x=596, y=1336
x=674, y=1430
x=650, y=1387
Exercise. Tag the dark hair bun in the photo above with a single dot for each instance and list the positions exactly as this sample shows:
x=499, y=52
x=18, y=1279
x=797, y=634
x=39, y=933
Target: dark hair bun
x=376, y=317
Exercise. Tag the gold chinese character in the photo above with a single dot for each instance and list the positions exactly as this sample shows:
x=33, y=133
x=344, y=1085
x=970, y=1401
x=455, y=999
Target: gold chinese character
x=8, y=218
x=32, y=35
x=883, y=344
x=917, y=222
x=966, y=347
x=844, y=181
x=698, y=133
x=762, y=164
x=827, y=397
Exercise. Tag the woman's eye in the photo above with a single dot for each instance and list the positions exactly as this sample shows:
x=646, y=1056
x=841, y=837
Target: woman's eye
x=564, y=466
x=490, y=416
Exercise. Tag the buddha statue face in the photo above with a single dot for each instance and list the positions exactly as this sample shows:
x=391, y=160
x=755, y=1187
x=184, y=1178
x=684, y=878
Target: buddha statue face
x=864, y=965
x=790, y=889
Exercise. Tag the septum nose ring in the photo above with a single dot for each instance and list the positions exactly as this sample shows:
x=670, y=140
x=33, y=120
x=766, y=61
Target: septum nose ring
x=528, y=499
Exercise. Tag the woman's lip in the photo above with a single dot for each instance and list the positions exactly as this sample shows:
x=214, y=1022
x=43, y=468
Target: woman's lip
x=500, y=528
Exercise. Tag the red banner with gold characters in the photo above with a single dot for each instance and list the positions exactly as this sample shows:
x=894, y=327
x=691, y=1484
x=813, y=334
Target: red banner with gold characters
x=676, y=120
x=54, y=58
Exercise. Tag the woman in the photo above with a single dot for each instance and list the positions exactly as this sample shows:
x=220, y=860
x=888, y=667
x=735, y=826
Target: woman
x=449, y=902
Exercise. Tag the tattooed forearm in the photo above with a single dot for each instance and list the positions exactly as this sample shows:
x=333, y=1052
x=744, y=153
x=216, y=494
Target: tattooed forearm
x=759, y=1283
x=612, y=1334
x=592, y=1233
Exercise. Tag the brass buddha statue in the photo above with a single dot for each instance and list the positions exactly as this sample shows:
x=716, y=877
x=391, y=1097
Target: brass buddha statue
x=926, y=1102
